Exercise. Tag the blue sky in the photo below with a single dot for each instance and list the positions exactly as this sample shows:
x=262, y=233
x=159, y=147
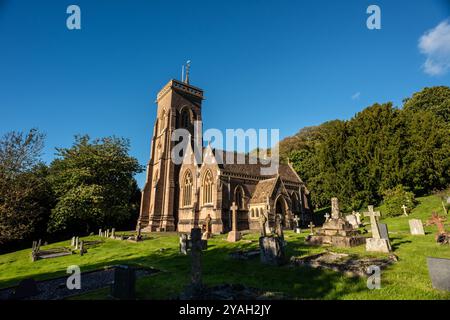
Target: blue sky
x=263, y=64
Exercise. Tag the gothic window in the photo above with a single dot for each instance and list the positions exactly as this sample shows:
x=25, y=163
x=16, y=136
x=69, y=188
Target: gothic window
x=252, y=214
x=207, y=189
x=187, y=189
x=185, y=118
x=239, y=197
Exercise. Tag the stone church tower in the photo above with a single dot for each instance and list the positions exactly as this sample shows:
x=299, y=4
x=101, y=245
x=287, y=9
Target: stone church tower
x=178, y=106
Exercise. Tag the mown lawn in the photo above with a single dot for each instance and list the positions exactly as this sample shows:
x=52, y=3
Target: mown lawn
x=407, y=279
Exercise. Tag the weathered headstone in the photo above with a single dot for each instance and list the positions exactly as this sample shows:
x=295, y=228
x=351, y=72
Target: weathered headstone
x=184, y=243
x=72, y=244
x=196, y=285
x=279, y=226
x=439, y=271
x=262, y=225
x=107, y=233
x=377, y=243
x=416, y=227
x=327, y=217
x=384, y=232
x=113, y=233
x=335, y=212
x=82, y=250
x=123, y=286
x=100, y=232
x=351, y=218
x=271, y=250
x=76, y=243
x=234, y=235
x=208, y=228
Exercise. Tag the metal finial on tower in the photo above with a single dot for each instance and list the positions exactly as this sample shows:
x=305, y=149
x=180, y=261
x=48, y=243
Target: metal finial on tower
x=188, y=67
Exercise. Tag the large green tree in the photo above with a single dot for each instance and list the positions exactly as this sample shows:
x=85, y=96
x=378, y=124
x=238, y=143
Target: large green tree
x=380, y=148
x=94, y=185
x=25, y=195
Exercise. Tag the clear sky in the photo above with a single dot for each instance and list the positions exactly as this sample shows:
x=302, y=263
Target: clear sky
x=263, y=64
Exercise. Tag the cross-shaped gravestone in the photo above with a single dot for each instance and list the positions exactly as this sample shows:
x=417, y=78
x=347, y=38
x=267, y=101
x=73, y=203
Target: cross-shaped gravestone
x=297, y=221
x=404, y=210
x=378, y=242
x=311, y=226
x=234, y=235
x=327, y=217
x=373, y=222
x=297, y=224
x=196, y=261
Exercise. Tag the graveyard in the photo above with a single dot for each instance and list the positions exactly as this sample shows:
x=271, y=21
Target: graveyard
x=405, y=277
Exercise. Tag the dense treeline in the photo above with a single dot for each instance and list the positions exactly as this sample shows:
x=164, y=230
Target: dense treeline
x=381, y=148
x=87, y=186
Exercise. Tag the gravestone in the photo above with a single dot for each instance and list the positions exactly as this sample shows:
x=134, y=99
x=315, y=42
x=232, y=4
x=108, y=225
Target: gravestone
x=100, y=232
x=207, y=234
x=195, y=289
x=439, y=271
x=416, y=227
x=107, y=233
x=297, y=225
x=327, y=217
x=380, y=238
x=351, y=218
x=76, y=243
x=184, y=243
x=384, y=232
x=25, y=289
x=271, y=250
x=123, y=286
x=311, y=226
x=262, y=225
x=113, y=233
x=234, y=235
x=72, y=244
x=404, y=210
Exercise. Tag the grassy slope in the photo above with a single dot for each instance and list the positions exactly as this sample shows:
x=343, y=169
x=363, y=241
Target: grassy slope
x=407, y=279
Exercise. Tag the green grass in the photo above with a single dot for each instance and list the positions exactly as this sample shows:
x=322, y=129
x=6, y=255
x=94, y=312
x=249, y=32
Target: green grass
x=406, y=279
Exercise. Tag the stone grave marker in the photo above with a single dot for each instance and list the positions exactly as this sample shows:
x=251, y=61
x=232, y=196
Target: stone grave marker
x=297, y=224
x=100, y=232
x=234, y=235
x=439, y=271
x=351, y=218
x=377, y=243
x=271, y=250
x=184, y=243
x=262, y=225
x=358, y=218
x=123, y=286
x=72, y=244
x=416, y=227
x=113, y=233
x=384, y=232
x=327, y=217
x=311, y=226
x=404, y=210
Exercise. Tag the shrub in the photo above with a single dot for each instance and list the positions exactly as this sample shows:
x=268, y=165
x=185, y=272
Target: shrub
x=395, y=198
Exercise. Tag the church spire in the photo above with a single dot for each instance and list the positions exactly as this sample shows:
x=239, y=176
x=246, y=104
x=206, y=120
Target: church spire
x=187, y=68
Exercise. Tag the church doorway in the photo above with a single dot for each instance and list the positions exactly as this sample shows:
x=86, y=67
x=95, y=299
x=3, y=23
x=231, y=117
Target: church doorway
x=281, y=208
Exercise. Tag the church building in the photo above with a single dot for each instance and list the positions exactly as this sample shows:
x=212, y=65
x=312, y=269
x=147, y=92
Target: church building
x=178, y=197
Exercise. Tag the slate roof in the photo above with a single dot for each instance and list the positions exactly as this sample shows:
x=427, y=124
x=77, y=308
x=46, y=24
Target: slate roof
x=285, y=171
x=263, y=190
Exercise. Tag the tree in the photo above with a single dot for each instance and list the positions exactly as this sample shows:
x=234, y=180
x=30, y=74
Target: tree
x=94, y=184
x=395, y=198
x=25, y=196
x=435, y=99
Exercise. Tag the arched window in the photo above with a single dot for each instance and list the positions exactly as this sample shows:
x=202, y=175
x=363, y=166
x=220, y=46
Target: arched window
x=259, y=212
x=239, y=197
x=207, y=189
x=187, y=189
x=252, y=213
x=185, y=119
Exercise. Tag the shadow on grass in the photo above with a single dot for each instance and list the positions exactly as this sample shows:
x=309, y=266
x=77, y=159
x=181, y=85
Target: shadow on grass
x=219, y=268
